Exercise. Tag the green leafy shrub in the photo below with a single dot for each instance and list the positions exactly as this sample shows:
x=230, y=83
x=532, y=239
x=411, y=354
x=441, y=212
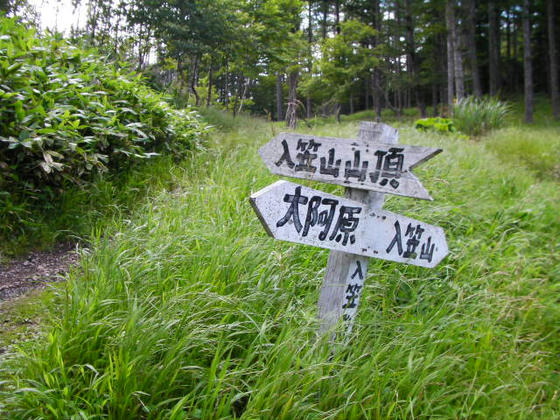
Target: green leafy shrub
x=474, y=116
x=442, y=125
x=66, y=114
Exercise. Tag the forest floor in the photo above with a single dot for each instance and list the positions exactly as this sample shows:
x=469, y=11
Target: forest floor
x=20, y=275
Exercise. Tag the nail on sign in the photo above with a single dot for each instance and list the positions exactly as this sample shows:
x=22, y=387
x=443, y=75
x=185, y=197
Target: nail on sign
x=300, y=214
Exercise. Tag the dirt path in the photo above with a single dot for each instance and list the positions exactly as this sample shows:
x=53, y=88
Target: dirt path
x=36, y=269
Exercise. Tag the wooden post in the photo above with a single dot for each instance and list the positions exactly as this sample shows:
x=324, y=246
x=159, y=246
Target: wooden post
x=345, y=275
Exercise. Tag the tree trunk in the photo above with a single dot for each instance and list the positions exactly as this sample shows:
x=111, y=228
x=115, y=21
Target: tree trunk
x=193, y=81
x=435, y=100
x=453, y=34
x=310, y=52
x=246, y=85
x=226, y=98
x=337, y=16
x=494, y=49
x=324, y=22
x=279, y=99
x=471, y=47
x=182, y=77
x=527, y=64
x=291, y=110
x=449, y=20
x=553, y=59
x=508, y=33
x=366, y=90
x=412, y=58
x=458, y=61
x=376, y=89
x=210, y=84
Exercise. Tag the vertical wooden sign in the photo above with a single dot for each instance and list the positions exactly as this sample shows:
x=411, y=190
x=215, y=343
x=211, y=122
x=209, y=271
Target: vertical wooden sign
x=345, y=275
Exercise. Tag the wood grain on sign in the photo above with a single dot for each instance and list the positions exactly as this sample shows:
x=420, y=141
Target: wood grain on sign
x=295, y=213
x=356, y=163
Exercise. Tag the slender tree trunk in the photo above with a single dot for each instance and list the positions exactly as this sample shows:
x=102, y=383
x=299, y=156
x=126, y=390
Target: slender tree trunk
x=553, y=59
x=226, y=88
x=366, y=90
x=494, y=49
x=458, y=61
x=471, y=46
x=412, y=58
x=310, y=52
x=246, y=86
x=508, y=34
x=337, y=16
x=527, y=64
x=193, y=81
x=449, y=20
x=279, y=98
x=324, y=22
x=236, y=96
x=376, y=90
x=291, y=110
x=435, y=100
x=210, y=84
x=181, y=75
x=376, y=76
x=458, y=74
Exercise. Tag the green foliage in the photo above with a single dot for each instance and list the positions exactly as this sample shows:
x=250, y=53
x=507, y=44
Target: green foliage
x=191, y=311
x=441, y=125
x=67, y=115
x=344, y=58
x=474, y=116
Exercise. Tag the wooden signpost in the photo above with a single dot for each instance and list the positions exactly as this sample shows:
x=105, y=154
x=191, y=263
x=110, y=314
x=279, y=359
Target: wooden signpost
x=355, y=228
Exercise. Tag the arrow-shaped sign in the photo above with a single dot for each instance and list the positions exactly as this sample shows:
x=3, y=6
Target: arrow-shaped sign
x=353, y=163
x=295, y=213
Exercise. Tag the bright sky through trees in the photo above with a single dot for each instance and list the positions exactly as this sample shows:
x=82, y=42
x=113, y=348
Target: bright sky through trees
x=59, y=15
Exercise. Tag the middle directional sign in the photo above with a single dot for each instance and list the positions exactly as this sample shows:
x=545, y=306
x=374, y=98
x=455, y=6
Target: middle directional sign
x=296, y=213
x=355, y=163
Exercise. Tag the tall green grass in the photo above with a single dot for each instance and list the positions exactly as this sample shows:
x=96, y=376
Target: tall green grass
x=536, y=148
x=191, y=311
x=474, y=116
x=82, y=209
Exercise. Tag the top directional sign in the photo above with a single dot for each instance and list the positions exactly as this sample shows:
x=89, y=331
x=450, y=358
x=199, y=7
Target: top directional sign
x=353, y=163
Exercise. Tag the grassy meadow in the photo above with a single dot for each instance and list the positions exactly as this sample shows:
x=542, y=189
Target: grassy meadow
x=185, y=308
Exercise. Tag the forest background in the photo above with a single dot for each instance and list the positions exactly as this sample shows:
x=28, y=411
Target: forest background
x=293, y=59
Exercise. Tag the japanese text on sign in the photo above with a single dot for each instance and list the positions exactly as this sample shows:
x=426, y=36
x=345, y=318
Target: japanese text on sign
x=386, y=170
x=338, y=222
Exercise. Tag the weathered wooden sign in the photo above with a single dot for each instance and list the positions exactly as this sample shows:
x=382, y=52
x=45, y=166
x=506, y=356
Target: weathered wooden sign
x=295, y=213
x=354, y=228
x=356, y=163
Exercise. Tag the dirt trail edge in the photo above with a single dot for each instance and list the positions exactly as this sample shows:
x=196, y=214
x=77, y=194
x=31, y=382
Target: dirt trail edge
x=35, y=270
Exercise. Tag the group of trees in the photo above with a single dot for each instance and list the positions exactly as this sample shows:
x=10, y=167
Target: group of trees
x=291, y=58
